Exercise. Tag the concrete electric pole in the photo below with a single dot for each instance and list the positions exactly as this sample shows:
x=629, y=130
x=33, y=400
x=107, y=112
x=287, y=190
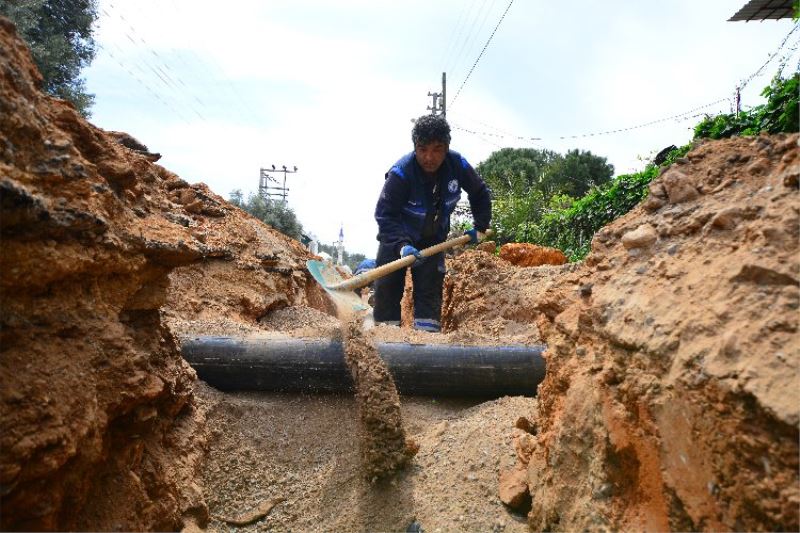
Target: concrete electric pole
x=265, y=177
x=439, y=103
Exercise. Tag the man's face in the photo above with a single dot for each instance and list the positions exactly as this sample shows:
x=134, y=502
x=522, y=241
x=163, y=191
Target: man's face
x=430, y=156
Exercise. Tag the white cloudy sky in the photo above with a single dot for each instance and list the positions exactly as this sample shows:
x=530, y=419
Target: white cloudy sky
x=224, y=88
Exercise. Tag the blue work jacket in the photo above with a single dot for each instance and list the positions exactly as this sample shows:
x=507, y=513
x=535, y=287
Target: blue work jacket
x=406, y=200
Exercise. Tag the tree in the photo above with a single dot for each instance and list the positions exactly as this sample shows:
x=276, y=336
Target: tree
x=527, y=182
x=515, y=170
x=59, y=34
x=272, y=212
x=514, y=175
x=575, y=174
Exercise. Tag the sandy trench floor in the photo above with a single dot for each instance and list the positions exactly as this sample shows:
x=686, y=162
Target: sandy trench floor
x=303, y=450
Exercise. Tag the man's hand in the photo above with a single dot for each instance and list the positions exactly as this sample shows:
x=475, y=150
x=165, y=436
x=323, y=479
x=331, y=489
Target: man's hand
x=475, y=236
x=410, y=250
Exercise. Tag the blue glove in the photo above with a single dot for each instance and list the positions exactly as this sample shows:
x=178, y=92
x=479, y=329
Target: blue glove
x=410, y=250
x=473, y=235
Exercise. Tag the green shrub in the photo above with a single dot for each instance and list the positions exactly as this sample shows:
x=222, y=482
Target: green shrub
x=272, y=212
x=778, y=115
x=571, y=229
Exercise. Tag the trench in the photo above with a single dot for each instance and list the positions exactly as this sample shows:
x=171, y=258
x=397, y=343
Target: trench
x=285, y=427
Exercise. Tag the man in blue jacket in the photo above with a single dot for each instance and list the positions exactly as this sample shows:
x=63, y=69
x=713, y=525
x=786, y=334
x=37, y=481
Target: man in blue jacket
x=413, y=212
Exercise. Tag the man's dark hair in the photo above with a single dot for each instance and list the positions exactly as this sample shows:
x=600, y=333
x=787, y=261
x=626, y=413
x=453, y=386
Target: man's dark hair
x=430, y=128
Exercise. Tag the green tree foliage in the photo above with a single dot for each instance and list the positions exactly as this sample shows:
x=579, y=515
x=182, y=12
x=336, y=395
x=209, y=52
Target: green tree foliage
x=571, y=227
x=570, y=224
x=515, y=175
x=515, y=170
x=576, y=173
x=272, y=212
x=779, y=114
x=515, y=217
x=524, y=181
x=59, y=34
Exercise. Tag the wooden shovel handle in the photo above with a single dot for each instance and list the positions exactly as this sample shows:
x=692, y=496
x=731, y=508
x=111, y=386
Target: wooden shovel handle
x=362, y=280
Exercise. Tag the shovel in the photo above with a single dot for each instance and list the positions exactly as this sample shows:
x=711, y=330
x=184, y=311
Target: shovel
x=341, y=290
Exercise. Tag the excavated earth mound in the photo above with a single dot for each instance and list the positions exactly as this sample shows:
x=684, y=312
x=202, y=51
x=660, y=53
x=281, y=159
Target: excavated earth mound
x=101, y=429
x=527, y=255
x=671, y=398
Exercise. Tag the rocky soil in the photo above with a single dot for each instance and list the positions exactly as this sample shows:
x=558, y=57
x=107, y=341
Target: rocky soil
x=670, y=402
x=671, y=398
x=102, y=429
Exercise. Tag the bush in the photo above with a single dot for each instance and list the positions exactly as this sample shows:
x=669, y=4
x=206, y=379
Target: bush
x=571, y=229
x=778, y=115
x=273, y=212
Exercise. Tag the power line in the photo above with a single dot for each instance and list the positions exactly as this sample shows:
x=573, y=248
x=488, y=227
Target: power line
x=692, y=113
x=682, y=116
x=160, y=71
x=470, y=34
x=453, y=58
x=143, y=84
x=186, y=95
x=479, y=33
x=481, y=54
x=451, y=39
x=245, y=110
x=770, y=58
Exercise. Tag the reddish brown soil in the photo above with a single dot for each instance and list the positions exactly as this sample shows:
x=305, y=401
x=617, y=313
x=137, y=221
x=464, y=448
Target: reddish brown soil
x=96, y=401
x=524, y=254
x=383, y=443
x=101, y=427
x=671, y=398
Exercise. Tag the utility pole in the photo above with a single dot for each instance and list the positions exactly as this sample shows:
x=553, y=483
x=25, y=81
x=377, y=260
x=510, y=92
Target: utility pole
x=434, y=108
x=265, y=177
x=439, y=102
x=444, y=94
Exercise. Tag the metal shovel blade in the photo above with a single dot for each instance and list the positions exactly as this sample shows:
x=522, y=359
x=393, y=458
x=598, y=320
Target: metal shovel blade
x=326, y=275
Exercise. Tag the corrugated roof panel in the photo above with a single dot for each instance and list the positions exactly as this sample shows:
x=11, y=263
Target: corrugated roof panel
x=763, y=10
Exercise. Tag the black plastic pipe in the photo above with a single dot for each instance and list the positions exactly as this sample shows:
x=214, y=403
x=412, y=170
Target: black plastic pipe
x=317, y=365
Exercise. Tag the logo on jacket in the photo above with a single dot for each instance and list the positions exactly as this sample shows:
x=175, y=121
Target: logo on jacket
x=452, y=186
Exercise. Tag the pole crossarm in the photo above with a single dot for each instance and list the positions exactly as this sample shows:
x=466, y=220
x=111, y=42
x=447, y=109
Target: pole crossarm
x=265, y=176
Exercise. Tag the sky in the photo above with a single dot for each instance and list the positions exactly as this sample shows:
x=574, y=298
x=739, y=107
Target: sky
x=224, y=89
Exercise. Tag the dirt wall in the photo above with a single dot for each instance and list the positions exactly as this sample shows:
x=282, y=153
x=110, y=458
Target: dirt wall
x=101, y=430
x=671, y=398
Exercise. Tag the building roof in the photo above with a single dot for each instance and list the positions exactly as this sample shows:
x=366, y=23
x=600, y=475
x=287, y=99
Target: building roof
x=763, y=10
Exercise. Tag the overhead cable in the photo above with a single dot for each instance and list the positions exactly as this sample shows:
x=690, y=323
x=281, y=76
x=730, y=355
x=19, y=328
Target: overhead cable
x=247, y=112
x=143, y=84
x=485, y=19
x=770, y=58
x=685, y=115
x=485, y=46
x=455, y=34
x=160, y=71
x=469, y=36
